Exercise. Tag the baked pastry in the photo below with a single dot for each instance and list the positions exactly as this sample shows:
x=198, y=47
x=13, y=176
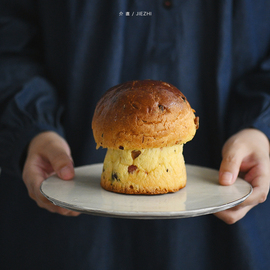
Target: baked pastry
x=144, y=125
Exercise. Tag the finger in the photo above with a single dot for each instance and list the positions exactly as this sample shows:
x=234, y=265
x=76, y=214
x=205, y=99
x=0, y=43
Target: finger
x=230, y=165
x=259, y=194
x=55, y=150
x=258, y=177
x=61, y=161
x=229, y=169
x=33, y=176
x=231, y=216
x=260, y=191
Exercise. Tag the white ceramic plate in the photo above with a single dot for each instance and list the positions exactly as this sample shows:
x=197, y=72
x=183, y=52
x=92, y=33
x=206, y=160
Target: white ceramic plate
x=202, y=195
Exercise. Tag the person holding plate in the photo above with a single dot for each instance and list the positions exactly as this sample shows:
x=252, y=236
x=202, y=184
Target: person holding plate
x=57, y=58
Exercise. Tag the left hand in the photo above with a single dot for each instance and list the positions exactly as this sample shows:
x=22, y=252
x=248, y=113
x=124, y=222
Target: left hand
x=245, y=154
x=48, y=154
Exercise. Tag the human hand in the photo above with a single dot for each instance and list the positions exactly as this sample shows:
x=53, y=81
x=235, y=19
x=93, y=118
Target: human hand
x=247, y=154
x=48, y=153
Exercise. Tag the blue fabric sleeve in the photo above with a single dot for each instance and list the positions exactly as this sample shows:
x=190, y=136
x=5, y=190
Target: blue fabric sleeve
x=28, y=101
x=250, y=101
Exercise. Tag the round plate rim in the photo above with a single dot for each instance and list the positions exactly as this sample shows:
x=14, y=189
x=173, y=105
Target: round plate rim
x=148, y=215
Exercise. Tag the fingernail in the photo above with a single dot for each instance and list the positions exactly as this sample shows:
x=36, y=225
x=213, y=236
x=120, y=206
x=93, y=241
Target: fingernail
x=66, y=172
x=226, y=178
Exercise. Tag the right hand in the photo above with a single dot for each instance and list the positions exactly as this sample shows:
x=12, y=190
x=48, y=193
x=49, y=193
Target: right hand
x=48, y=154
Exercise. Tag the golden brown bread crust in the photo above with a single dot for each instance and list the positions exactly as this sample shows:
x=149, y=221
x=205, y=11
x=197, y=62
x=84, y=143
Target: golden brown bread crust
x=143, y=114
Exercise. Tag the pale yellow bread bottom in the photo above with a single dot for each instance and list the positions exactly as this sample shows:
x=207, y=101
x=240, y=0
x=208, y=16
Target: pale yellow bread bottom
x=144, y=171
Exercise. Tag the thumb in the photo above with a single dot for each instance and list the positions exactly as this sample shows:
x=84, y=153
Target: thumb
x=55, y=150
x=230, y=165
x=66, y=172
x=61, y=162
